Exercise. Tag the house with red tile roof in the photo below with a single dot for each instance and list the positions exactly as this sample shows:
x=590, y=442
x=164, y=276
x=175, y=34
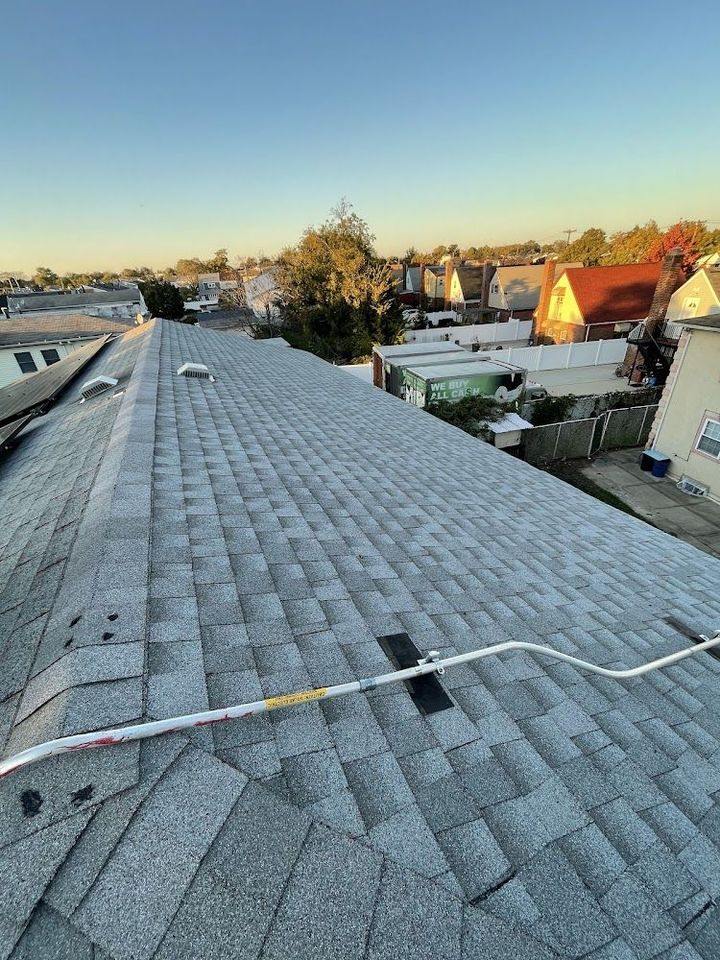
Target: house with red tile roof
x=600, y=303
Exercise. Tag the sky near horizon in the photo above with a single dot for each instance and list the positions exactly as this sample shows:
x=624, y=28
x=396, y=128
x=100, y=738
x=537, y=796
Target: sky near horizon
x=142, y=132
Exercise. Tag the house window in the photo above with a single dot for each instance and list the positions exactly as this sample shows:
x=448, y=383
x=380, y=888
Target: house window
x=709, y=440
x=50, y=356
x=557, y=307
x=26, y=362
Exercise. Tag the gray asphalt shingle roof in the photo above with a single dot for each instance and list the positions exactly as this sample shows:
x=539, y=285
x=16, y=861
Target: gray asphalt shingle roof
x=191, y=544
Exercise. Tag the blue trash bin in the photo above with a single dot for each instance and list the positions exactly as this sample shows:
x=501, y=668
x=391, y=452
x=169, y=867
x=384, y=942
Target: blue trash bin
x=660, y=467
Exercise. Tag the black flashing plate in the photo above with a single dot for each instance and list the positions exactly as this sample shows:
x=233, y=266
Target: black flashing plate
x=427, y=692
x=687, y=631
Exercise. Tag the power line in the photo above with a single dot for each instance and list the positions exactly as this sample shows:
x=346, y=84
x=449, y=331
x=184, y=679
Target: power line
x=569, y=232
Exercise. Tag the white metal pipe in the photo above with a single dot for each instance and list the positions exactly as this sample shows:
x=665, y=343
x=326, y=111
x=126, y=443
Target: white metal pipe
x=430, y=664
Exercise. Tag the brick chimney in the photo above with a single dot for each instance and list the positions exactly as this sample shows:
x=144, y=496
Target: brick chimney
x=671, y=276
x=450, y=265
x=541, y=314
x=668, y=282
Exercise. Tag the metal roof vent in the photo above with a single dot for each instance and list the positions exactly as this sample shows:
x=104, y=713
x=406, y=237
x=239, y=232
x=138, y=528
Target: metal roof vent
x=198, y=371
x=91, y=388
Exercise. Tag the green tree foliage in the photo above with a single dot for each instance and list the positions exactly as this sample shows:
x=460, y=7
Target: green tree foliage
x=219, y=261
x=709, y=242
x=471, y=414
x=336, y=295
x=632, y=246
x=589, y=248
x=188, y=269
x=163, y=299
x=44, y=278
x=73, y=280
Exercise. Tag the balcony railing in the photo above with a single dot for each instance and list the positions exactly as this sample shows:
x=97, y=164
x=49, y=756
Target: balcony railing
x=666, y=331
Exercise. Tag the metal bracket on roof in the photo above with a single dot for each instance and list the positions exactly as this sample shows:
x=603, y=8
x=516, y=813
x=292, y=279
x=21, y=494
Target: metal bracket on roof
x=433, y=656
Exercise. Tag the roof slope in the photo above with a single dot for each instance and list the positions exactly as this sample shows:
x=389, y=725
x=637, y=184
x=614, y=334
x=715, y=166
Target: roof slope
x=613, y=294
x=26, y=330
x=194, y=544
x=471, y=280
x=713, y=278
x=32, y=302
x=521, y=285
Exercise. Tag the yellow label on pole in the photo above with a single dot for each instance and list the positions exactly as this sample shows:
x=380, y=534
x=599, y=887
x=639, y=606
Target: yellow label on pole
x=291, y=699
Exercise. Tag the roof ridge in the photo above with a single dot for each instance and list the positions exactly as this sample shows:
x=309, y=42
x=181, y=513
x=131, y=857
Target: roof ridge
x=72, y=672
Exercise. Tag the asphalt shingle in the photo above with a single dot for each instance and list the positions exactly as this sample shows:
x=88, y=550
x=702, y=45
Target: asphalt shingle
x=245, y=543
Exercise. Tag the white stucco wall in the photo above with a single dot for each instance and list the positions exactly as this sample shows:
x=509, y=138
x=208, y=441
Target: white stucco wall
x=695, y=298
x=496, y=297
x=692, y=395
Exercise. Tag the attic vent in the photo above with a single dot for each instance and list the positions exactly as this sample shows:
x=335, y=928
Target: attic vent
x=691, y=486
x=91, y=388
x=197, y=371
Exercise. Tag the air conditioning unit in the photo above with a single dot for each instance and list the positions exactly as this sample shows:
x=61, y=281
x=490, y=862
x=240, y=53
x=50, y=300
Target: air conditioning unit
x=691, y=486
x=196, y=371
x=91, y=388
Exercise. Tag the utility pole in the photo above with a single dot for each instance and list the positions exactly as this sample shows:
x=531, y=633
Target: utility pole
x=569, y=232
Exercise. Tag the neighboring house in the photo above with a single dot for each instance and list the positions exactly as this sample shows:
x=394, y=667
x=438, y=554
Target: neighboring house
x=515, y=291
x=687, y=424
x=125, y=303
x=434, y=286
x=183, y=545
x=210, y=287
x=413, y=277
x=262, y=294
x=29, y=344
x=697, y=297
x=465, y=287
x=708, y=260
x=600, y=303
x=409, y=293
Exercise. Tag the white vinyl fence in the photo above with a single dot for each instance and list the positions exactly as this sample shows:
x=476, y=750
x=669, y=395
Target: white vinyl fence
x=562, y=355
x=472, y=333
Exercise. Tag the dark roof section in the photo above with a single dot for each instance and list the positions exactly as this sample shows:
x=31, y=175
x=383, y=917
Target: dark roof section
x=22, y=331
x=10, y=430
x=703, y=323
x=194, y=544
x=471, y=281
x=713, y=276
x=614, y=294
x=35, y=391
x=45, y=302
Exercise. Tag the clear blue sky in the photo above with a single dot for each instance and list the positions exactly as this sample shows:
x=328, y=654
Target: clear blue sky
x=144, y=131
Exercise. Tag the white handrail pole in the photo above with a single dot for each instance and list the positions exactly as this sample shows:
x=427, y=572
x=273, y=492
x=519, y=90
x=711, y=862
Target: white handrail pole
x=430, y=664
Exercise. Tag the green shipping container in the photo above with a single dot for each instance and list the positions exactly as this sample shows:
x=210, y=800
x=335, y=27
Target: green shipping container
x=485, y=378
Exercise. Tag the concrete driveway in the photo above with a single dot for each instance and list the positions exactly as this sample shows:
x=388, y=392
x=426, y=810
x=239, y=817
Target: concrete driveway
x=580, y=380
x=693, y=519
